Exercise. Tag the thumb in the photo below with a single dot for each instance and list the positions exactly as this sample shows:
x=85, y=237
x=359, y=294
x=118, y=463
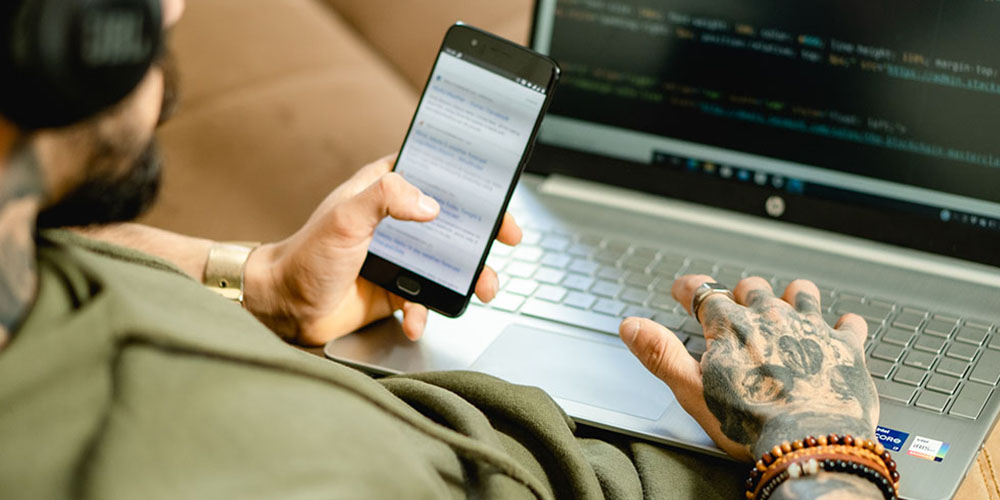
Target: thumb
x=663, y=354
x=390, y=195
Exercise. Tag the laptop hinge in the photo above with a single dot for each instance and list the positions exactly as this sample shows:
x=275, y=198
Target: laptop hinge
x=782, y=232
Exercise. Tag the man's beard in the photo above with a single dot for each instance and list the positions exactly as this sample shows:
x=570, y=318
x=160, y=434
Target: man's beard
x=100, y=200
x=104, y=198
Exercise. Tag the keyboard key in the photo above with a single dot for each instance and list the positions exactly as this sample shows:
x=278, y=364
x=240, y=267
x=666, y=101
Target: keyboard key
x=550, y=276
x=579, y=300
x=520, y=286
x=909, y=375
x=952, y=366
x=887, y=352
x=551, y=293
x=609, y=307
x=637, y=262
x=501, y=250
x=940, y=326
x=699, y=266
x=970, y=401
x=729, y=276
x=639, y=280
x=555, y=243
x=962, y=351
x=987, y=368
x=943, y=383
x=995, y=340
x=879, y=368
x=874, y=311
x=528, y=254
x=909, y=318
x=570, y=316
x=584, y=266
x=692, y=327
x=506, y=301
x=668, y=265
x=932, y=401
x=672, y=321
x=929, y=344
x=920, y=359
x=617, y=245
x=696, y=346
x=972, y=334
x=663, y=301
x=611, y=273
x=608, y=289
x=635, y=295
x=608, y=255
x=521, y=269
x=558, y=261
x=578, y=282
x=530, y=237
x=898, y=336
x=639, y=312
x=895, y=391
x=645, y=251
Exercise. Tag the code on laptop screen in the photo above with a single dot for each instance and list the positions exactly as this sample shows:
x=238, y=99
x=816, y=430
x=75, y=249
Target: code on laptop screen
x=903, y=91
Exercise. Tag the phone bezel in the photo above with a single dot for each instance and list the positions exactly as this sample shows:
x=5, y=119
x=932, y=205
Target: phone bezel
x=506, y=56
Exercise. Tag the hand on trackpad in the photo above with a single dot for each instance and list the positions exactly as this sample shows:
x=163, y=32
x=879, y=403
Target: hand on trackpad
x=580, y=370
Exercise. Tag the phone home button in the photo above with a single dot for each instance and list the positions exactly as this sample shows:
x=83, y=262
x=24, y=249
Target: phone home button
x=408, y=285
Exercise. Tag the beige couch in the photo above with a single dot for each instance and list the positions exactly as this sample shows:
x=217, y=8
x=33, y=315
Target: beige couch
x=286, y=98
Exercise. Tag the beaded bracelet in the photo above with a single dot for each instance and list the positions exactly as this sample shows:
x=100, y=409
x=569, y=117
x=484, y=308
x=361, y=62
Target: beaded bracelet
x=862, y=457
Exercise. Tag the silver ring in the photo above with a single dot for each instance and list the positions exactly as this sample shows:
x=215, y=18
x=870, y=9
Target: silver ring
x=705, y=291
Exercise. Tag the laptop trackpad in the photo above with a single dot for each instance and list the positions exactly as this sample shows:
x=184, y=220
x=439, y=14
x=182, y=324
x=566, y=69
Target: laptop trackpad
x=589, y=372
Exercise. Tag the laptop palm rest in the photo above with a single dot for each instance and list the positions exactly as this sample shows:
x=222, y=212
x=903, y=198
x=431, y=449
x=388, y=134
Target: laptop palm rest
x=584, y=371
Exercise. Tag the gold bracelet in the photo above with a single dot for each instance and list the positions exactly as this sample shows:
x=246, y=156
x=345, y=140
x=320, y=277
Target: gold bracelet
x=226, y=266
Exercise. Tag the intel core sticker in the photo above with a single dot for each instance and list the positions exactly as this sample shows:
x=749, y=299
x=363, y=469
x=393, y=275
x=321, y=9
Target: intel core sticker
x=928, y=449
x=892, y=439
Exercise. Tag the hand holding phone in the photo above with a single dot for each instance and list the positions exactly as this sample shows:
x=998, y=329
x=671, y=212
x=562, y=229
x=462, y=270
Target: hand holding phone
x=466, y=147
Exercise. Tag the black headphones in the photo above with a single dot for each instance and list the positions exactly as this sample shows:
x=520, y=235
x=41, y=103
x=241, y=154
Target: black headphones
x=65, y=60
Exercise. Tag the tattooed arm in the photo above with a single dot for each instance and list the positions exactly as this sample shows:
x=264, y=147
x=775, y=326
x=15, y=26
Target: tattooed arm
x=774, y=371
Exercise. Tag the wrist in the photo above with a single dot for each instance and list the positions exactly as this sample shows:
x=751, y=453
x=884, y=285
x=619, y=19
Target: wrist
x=795, y=426
x=263, y=296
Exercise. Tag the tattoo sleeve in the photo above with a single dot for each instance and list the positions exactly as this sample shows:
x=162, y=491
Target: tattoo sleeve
x=21, y=193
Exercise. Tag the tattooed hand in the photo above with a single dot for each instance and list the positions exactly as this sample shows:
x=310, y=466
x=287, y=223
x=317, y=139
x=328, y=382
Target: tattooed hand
x=774, y=370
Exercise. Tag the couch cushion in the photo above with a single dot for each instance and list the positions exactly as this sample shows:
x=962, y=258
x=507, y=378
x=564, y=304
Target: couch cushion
x=409, y=32
x=282, y=102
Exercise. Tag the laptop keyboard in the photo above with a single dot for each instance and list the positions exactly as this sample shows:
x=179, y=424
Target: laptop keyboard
x=926, y=359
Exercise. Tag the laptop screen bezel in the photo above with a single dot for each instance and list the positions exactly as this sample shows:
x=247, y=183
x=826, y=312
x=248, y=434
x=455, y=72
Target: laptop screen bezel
x=899, y=228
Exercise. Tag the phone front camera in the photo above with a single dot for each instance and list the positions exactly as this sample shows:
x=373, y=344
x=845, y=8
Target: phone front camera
x=474, y=42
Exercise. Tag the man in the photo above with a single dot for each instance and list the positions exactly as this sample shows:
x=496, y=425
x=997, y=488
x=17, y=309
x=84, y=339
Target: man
x=122, y=377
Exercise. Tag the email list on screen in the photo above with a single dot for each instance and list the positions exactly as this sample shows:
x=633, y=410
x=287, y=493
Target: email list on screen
x=463, y=149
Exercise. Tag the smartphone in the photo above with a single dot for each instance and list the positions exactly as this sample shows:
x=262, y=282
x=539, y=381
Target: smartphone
x=468, y=142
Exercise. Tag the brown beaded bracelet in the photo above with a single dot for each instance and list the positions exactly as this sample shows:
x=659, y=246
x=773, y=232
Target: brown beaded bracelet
x=862, y=457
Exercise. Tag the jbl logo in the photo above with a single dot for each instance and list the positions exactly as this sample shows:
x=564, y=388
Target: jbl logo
x=114, y=37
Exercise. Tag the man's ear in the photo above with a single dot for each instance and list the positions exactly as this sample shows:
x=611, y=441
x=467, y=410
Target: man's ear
x=9, y=134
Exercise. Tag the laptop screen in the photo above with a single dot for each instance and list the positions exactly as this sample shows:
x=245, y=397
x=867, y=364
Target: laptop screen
x=874, y=118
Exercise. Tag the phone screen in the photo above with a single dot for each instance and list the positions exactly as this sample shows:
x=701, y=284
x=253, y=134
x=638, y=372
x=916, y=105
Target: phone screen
x=463, y=149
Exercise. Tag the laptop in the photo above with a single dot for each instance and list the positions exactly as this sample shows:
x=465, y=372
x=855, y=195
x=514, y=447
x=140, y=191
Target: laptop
x=853, y=144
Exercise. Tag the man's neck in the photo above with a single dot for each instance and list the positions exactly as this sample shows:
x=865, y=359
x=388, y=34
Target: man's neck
x=22, y=191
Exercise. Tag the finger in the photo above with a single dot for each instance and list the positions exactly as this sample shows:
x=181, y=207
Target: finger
x=414, y=320
x=753, y=292
x=804, y=296
x=714, y=306
x=390, y=195
x=364, y=177
x=855, y=325
x=510, y=233
x=488, y=284
x=663, y=354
